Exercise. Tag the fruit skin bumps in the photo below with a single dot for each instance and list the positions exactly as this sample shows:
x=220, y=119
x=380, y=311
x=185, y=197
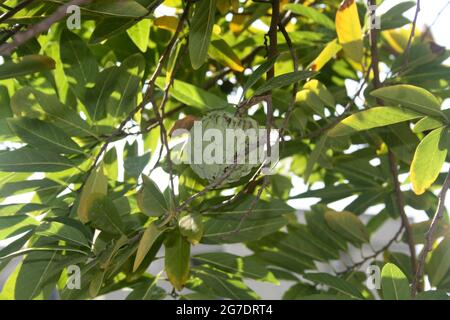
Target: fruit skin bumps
x=218, y=138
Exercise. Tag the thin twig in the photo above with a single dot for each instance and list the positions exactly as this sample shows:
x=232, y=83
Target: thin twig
x=411, y=37
x=375, y=254
x=430, y=236
x=163, y=131
x=43, y=26
x=296, y=85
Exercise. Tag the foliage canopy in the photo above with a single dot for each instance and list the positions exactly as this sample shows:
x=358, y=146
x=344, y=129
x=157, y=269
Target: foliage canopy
x=86, y=117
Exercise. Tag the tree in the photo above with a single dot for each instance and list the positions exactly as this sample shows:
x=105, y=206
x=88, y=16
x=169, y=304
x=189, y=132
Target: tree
x=79, y=103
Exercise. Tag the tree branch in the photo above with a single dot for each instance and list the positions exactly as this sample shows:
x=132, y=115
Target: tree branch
x=429, y=236
x=400, y=202
x=375, y=254
x=411, y=37
x=35, y=30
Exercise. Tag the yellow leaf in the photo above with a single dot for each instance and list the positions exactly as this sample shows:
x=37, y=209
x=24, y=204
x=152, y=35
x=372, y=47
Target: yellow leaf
x=148, y=239
x=217, y=29
x=166, y=22
x=330, y=50
x=220, y=51
x=95, y=188
x=283, y=3
x=177, y=259
x=237, y=23
x=397, y=38
x=349, y=31
x=173, y=3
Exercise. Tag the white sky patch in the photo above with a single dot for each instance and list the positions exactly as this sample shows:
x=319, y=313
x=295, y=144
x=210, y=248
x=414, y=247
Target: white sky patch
x=258, y=24
x=163, y=10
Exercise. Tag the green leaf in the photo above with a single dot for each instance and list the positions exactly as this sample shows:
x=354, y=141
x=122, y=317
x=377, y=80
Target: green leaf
x=5, y=102
x=43, y=136
x=427, y=124
x=63, y=232
x=14, y=225
x=95, y=284
x=277, y=250
x=372, y=118
x=122, y=9
x=193, y=96
x=289, y=244
x=140, y=34
x=335, y=283
x=124, y=96
x=266, y=218
x=321, y=92
x=284, y=80
x=312, y=14
x=104, y=216
x=50, y=108
x=108, y=28
x=432, y=295
x=217, y=283
x=97, y=98
x=134, y=163
x=348, y=225
x=26, y=65
x=311, y=245
x=428, y=160
x=10, y=186
x=393, y=18
x=177, y=259
x=414, y=98
x=240, y=266
x=191, y=227
x=145, y=244
x=420, y=229
x=314, y=157
x=80, y=65
x=28, y=159
x=147, y=290
x=394, y=283
x=299, y=291
x=110, y=164
x=200, y=31
x=401, y=260
x=318, y=226
x=258, y=74
x=33, y=280
x=96, y=187
x=439, y=264
x=220, y=51
x=150, y=199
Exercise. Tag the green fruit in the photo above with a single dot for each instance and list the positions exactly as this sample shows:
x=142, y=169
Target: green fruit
x=200, y=143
